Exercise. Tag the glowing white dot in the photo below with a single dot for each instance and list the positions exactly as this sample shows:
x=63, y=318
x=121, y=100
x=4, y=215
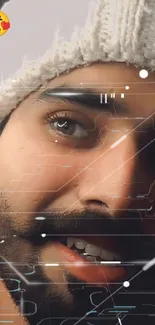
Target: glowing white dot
x=40, y=218
x=56, y=140
x=143, y=73
x=2, y=241
x=126, y=284
x=127, y=87
x=43, y=235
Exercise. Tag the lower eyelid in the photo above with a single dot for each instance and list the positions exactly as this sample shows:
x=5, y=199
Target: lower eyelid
x=88, y=142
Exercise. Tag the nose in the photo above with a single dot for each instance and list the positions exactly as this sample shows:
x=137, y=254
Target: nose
x=105, y=183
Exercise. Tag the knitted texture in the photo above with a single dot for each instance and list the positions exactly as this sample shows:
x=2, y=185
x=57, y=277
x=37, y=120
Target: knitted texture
x=115, y=30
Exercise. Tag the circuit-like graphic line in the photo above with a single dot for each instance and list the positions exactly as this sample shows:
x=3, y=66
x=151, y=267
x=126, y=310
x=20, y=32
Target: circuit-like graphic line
x=102, y=302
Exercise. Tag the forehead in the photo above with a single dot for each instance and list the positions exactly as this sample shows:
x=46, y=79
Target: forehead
x=135, y=93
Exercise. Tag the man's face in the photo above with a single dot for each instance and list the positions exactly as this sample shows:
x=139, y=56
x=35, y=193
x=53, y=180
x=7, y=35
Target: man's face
x=76, y=190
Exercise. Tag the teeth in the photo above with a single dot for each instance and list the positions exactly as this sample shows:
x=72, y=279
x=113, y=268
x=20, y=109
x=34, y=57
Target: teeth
x=90, y=258
x=80, y=243
x=70, y=241
x=107, y=255
x=93, y=250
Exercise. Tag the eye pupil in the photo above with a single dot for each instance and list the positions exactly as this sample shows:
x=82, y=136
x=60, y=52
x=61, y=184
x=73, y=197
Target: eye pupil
x=66, y=125
x=63, y=124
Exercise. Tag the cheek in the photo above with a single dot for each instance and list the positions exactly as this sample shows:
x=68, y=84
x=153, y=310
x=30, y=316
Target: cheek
x=33, y=171
x=121, y=166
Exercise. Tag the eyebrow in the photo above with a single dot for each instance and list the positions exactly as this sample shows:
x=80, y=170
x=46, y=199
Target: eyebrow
x=86, y=97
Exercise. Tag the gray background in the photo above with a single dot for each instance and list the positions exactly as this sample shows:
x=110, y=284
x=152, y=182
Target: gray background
x=33, y=23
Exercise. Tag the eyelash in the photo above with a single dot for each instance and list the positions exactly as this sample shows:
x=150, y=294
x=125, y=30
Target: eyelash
x=71, y=118
x=63, y=115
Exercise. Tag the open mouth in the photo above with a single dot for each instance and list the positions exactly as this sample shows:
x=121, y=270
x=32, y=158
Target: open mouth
x=92, y=248
x=90, y=259
x=93, y=253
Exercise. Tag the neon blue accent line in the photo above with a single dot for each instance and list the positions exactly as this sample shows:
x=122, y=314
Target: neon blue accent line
x=29, y=273
x=124, y=307
x=120, y=311
x=91, y=312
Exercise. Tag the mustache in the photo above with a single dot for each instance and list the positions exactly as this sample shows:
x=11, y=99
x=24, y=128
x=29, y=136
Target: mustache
x=126, y=230
x=57, y=223
x=87, y=222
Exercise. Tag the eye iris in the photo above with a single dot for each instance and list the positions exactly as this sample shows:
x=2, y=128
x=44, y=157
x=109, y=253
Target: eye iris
x=67, y=126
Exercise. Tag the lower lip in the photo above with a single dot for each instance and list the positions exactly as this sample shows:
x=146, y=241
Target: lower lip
x=86, y=271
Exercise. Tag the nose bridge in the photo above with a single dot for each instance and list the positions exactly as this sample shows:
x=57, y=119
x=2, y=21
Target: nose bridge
x=106, y=174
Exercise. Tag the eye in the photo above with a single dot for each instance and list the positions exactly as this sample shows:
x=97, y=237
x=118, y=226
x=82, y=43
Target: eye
x=72, y=128
x=69, y=127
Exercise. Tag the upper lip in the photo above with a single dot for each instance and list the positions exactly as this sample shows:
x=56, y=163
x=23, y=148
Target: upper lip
x=104, y=231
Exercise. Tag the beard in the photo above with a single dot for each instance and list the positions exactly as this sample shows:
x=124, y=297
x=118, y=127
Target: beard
x=43, y=301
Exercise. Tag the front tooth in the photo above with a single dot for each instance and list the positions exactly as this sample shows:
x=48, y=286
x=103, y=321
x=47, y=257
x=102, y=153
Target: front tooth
x=80, y=243
x=70, y=241
x=93, y=250
x=90, y=258
x=106, y=255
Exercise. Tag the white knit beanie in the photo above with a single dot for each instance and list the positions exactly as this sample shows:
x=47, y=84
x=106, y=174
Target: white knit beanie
x=115, y=30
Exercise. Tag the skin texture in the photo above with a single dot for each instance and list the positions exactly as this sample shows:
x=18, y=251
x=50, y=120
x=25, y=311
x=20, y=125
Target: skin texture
x=6, y=300
x=33, y=177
